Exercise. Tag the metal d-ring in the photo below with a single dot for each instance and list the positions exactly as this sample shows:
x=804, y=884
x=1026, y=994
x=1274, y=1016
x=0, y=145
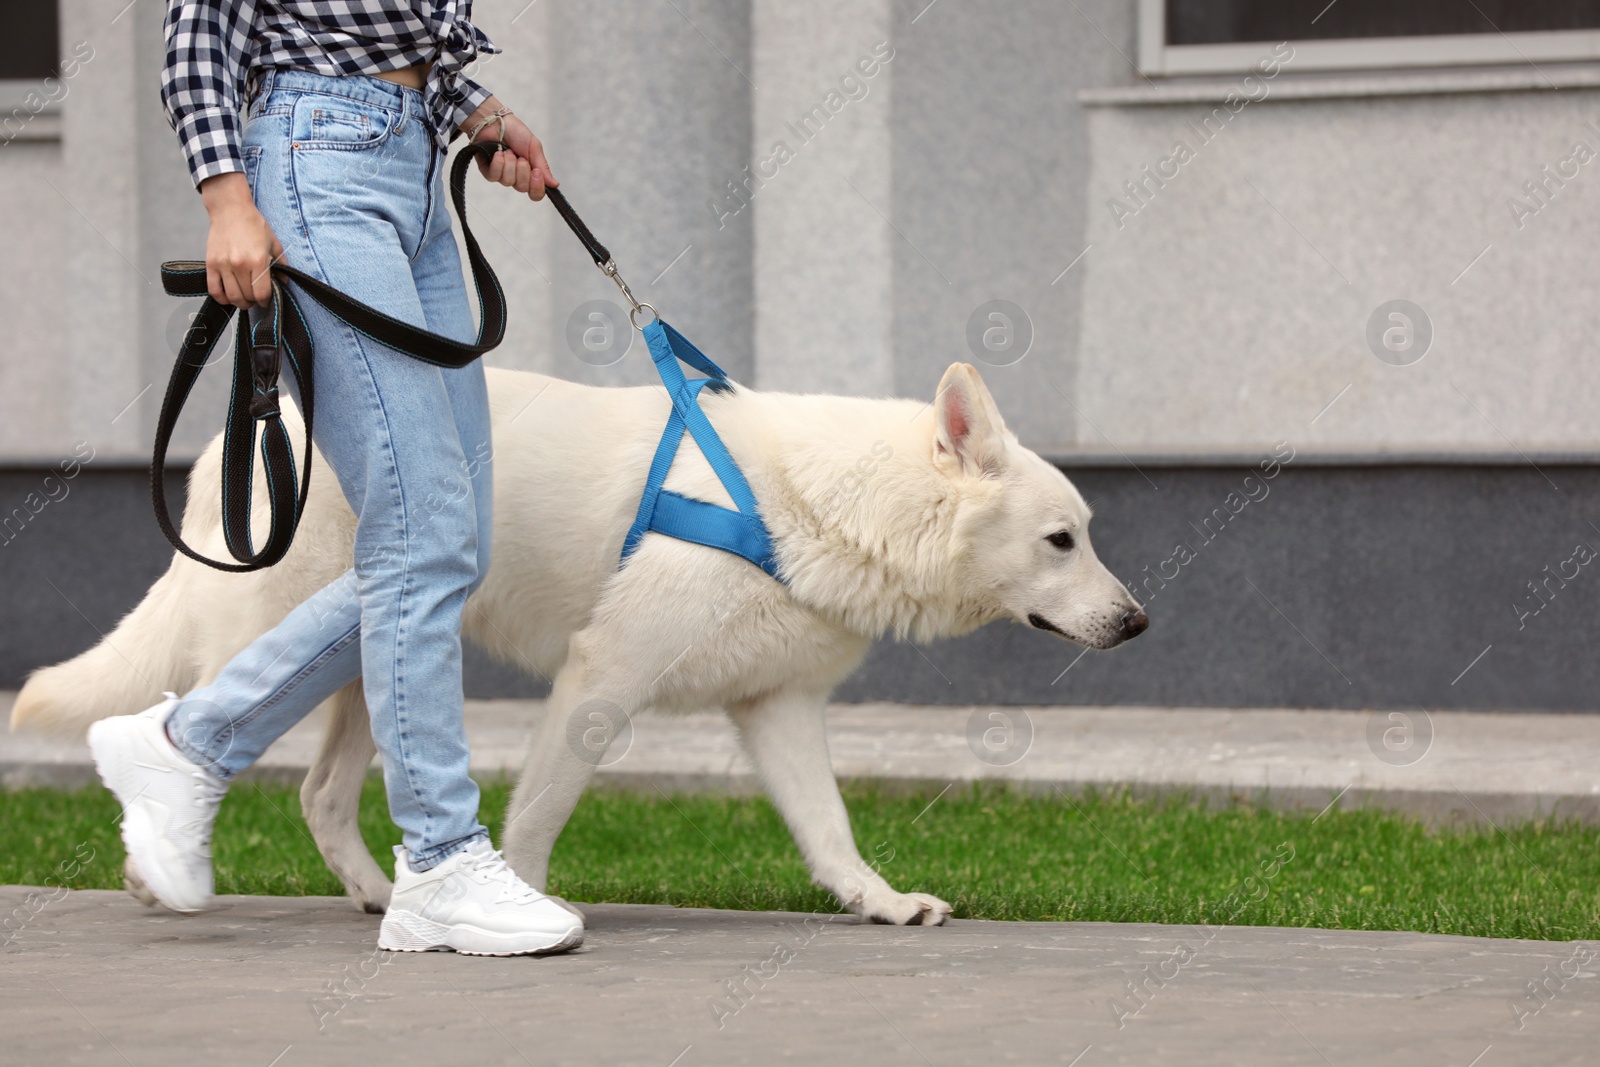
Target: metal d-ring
x=640, y=306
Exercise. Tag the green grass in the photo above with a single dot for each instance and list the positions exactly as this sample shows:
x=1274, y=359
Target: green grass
x=994, y=854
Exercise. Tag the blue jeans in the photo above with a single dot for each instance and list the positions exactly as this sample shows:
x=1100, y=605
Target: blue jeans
x=346, y=172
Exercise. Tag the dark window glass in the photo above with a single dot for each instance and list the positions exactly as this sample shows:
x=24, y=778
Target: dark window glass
x=30, y=43
x=1226, y=21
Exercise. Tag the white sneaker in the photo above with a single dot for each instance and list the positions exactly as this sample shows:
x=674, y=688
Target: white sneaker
x=473, y=903
x=168, y=805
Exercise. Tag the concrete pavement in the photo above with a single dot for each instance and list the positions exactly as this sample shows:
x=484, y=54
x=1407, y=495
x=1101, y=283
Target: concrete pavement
x=93, y=978
x=1443, y=767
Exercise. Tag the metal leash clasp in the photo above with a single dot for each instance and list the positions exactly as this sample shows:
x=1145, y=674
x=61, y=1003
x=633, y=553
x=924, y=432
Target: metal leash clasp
x=635, y=305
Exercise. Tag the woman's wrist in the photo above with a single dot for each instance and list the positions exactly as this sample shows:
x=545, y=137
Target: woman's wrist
x=226, y=193
x=521, y=163
x=489, y=115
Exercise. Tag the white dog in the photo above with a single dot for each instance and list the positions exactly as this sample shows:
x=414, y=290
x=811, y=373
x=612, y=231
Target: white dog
x=889, y=516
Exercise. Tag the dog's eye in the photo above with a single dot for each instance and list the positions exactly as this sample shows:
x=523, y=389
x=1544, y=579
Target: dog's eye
x=1062, y=539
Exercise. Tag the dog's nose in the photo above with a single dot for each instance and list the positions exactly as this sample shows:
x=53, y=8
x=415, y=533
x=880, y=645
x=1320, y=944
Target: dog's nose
x=1134, y=623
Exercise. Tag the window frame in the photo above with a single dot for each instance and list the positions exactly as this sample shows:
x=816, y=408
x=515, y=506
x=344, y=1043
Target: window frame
x=54, y=41
x=1159, y=59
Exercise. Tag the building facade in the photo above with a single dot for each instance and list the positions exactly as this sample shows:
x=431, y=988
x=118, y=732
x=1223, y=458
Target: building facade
x=1302, y=302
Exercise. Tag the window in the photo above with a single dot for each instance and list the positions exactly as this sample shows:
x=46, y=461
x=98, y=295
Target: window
x=1226, y=36
x=30, y=47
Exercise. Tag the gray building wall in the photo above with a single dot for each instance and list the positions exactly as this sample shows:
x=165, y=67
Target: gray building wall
x=1232, y=307
x=1155, y=348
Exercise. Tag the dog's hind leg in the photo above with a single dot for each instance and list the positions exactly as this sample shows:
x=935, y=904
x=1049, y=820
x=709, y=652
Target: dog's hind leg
x=331, y=800
x=785, y=736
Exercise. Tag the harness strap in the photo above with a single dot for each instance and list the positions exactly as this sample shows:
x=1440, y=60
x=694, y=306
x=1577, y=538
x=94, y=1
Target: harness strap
x=661, y=510
x=741, y=532
x=279, y=333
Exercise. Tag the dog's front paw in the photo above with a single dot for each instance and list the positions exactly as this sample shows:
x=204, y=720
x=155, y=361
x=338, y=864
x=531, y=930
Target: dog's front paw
x=372, y=898
x=905, y=909
x=368, y=890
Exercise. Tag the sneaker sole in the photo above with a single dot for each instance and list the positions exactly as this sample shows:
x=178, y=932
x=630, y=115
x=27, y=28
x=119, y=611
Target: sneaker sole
x=405, y=931
x=133, y=882
x=138, y=837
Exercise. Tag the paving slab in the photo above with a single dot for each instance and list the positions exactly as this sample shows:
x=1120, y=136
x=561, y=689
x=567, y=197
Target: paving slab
x=1442, y=767
x=91, y=977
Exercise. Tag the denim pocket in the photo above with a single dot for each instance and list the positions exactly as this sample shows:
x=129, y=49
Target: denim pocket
x=347, y=124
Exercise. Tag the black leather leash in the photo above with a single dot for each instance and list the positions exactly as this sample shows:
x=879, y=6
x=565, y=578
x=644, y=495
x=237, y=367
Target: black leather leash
x=281, y=332
x=591, y=244
x=258, y=357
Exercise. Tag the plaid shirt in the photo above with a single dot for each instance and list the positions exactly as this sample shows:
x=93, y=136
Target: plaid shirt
x=215, y=48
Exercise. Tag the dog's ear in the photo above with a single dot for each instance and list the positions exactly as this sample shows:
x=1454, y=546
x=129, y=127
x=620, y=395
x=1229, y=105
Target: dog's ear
x=969, y=434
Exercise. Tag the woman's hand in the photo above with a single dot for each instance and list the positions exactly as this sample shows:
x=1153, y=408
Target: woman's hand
x=524, y=167
x=241, y=246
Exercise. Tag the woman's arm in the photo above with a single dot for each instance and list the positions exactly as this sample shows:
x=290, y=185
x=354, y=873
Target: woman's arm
x=524, y=168
x=241, y=245
x=206, y=42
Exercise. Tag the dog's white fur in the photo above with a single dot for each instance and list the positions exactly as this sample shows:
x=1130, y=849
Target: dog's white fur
x=889, y=516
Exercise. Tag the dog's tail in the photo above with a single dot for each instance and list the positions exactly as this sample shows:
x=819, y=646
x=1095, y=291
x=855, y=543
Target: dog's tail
x=125, y=673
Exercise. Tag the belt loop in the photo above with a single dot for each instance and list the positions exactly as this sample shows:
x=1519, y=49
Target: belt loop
x=260, y=87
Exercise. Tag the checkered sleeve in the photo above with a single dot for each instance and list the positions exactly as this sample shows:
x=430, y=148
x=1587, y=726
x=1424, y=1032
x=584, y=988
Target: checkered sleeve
x=208, y=43
x=460, y=101
x=458, y=96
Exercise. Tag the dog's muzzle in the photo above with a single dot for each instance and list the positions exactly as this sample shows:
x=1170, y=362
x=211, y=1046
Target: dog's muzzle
x=1133, y=623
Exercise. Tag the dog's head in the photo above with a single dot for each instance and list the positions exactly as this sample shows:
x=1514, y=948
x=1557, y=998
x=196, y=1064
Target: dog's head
x=1026, y=536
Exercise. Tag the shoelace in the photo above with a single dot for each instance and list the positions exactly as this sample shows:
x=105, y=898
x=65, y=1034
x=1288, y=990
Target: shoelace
x=490, y=868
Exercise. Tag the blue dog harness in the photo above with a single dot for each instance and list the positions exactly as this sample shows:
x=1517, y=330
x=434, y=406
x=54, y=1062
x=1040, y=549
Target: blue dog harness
x=661, y=510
